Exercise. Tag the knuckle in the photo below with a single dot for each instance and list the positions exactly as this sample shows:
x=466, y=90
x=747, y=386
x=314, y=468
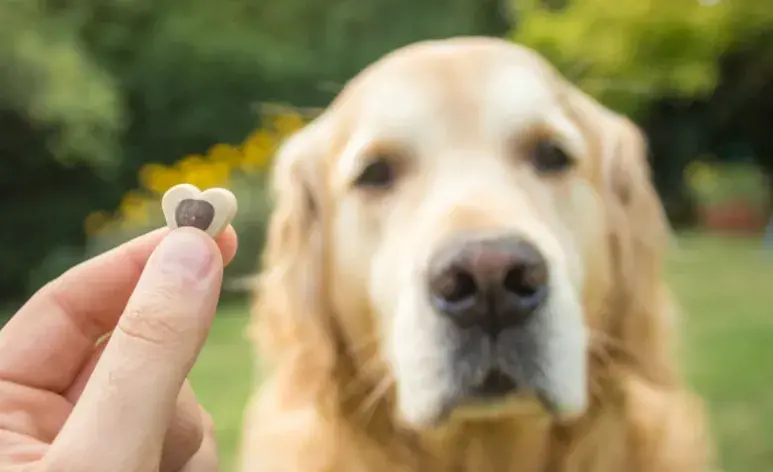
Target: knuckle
x=155, y=319
x=183, y=439
x=179, y=450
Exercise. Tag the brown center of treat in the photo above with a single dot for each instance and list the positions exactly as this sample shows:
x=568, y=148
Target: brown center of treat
x=196, y=213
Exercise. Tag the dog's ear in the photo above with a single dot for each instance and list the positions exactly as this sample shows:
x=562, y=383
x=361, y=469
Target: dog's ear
x=640, y=309
x=639, y=236
x=290, y=310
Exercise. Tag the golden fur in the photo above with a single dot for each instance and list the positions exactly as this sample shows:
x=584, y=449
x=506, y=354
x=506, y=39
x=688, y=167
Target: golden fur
x=329, y=398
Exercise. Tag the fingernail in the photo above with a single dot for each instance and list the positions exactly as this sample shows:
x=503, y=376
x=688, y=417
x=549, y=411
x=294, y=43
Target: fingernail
x=186, y=251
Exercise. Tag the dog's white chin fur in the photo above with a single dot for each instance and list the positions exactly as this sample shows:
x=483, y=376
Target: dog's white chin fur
x=560, y=373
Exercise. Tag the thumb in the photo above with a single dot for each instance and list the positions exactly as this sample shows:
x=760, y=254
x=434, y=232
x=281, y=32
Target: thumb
x=130, y=398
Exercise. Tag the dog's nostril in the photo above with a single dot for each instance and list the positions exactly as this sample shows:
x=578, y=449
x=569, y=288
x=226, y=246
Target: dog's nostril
x=455, y=286
x=525, y=280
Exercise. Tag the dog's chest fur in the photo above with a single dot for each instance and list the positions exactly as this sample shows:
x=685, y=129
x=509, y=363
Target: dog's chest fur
x=525, y=446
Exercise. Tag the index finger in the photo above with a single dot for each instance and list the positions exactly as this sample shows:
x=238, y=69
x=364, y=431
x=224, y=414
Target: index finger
x=50, y=338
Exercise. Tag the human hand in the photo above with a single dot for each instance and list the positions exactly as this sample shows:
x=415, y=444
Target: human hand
x=73, y=401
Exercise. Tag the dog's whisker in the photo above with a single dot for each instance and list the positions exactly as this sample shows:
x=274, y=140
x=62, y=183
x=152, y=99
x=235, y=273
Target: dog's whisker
x=611, y=347
x=355, y=385
x=370, y=402
x=363, y=344
x=352, y=388
x=603, y=341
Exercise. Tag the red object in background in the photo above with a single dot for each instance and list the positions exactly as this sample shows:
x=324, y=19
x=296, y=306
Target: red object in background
x=735, y=216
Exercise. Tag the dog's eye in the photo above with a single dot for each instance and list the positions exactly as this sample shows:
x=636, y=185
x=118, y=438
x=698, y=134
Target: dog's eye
x=379, y=174
x=548, y=157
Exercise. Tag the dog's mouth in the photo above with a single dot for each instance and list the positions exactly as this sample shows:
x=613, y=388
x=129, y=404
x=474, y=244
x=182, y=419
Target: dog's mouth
x=495, y=385
x=496, y=394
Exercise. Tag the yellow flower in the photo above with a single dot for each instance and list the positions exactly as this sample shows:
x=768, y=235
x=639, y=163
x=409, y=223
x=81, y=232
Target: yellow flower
x=95, y=222
x=158, y=178
x=191, y=163
x=258, y=149
x=203, y=173
x=211, y=170
x=225, y=153
x=218, y=174
x=193, y=169
x=111, y=226
x=288, y=123
x=134, y=208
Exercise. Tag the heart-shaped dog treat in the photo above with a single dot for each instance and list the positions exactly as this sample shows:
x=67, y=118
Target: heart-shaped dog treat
x=210, y=211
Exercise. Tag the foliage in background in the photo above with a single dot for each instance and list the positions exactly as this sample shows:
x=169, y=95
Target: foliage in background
x=696, y=74
x=715, y=183
x=619, y=50
x=91, y=91
x=49, y=78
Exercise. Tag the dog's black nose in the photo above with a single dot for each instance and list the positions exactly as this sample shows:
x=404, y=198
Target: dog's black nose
x=490, y=281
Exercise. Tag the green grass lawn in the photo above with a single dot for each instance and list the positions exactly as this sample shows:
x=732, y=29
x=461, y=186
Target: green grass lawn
x=726, y=289
x=223, y=377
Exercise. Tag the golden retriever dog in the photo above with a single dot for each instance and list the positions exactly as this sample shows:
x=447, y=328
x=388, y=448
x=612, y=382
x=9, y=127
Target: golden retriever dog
x=463, y=274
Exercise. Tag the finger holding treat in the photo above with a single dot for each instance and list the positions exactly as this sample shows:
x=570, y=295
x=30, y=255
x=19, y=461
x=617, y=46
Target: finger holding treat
x=98, y=359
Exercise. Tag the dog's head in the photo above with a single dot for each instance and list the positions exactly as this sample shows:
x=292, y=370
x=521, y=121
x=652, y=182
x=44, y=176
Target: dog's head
x=459, y=226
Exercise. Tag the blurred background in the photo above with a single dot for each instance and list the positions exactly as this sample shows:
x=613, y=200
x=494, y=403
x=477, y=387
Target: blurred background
x=104, y=104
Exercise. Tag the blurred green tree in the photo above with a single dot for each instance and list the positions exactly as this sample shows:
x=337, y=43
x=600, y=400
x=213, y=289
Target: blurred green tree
x=618, y=51
x=51, y=80
x=91, y=90
x=666, y=63
x=61, y=119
